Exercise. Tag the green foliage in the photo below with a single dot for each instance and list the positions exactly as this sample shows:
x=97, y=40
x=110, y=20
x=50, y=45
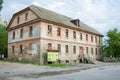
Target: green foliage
x=112, y=44
x=1, y=1
x=3, y=40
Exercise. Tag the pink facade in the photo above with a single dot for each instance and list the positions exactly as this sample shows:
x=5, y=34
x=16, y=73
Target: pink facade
x=34, y=47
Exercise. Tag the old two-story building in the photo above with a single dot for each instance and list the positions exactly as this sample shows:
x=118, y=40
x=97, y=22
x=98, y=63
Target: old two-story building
x=33, y=31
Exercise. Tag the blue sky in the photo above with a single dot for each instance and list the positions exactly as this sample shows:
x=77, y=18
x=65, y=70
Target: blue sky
x=99, y=14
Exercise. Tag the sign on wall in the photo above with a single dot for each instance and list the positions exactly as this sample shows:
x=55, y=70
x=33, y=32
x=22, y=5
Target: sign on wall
x=52, y=56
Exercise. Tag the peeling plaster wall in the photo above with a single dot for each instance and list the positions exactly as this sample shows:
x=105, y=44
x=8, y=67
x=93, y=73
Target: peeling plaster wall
x=54, y=40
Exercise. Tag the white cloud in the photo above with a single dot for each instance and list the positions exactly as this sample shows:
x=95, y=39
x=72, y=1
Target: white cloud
x=99, y=14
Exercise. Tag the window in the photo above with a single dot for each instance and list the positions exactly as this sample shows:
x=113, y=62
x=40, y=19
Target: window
x=26, y=16
x=59, y=31
x=49, y=46
x=91, y=38
x=13, y=34
x=18, y=20
x=74, y=34
x=49, y=29
x=91, y=50
x=86, y=49
x=96, y=39
x=86, y=37
x=30, y=45
x=59, y=47
x=21, y=48
x=30, y=31
x=100, y=50
x=13, y=49
x=74, y=49
x=96, y=51
x=66, y=48
x=21, y=33
x=80, y=36
x=67, y=35
x=99, y=40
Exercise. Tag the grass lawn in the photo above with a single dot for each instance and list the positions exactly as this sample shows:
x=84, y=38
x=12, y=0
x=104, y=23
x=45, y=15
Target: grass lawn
x=58, y=65
x=12, y=61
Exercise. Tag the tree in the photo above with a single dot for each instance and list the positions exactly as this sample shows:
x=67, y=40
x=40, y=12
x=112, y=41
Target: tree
x=112, y=44
x=3, y=40
x=1, y=1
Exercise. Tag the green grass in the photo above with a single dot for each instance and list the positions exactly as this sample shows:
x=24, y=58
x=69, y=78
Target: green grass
x=109, y=59
x=58, y=65
x=12, y=61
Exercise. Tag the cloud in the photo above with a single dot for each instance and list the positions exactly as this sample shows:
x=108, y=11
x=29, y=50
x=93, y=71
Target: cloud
x=99, y=14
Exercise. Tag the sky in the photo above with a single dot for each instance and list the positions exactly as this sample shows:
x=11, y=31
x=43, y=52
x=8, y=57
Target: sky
x=102, y=15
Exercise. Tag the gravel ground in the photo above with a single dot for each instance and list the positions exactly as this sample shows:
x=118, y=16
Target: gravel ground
x=17, y=71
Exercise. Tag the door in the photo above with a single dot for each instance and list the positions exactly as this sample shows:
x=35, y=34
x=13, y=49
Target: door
x=81, y=52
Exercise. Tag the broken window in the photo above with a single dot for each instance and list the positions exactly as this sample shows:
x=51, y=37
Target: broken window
x=49, y=29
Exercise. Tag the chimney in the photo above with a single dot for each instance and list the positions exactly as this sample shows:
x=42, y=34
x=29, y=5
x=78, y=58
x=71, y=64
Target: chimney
x=76, y=22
